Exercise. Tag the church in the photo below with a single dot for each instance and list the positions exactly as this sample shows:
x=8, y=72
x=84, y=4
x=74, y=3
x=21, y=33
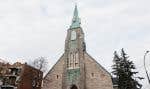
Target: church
x=76, y=69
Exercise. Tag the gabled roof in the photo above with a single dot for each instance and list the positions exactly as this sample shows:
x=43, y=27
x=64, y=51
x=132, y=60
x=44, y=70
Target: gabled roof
x=99, y=64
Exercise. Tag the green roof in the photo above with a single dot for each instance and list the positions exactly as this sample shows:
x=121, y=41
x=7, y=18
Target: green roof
x=76, y=20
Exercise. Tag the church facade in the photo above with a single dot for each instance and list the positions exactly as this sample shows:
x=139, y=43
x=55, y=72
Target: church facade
x=76, y=69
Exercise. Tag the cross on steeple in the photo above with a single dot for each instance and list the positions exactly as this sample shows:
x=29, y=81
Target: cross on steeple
x=76, y=20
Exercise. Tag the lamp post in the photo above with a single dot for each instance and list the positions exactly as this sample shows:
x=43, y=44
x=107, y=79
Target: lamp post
x=145, y=66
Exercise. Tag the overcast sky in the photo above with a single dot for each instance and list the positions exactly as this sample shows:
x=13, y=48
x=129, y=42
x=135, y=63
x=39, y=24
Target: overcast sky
x=33, y=28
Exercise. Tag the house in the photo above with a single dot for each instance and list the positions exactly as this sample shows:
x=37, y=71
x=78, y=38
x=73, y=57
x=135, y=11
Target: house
x=21, y=76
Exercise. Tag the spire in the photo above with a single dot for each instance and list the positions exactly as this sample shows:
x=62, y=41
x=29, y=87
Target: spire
x=76, y=20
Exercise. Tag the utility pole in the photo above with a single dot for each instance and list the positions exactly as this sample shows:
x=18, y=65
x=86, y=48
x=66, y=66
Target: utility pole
x=145, y=66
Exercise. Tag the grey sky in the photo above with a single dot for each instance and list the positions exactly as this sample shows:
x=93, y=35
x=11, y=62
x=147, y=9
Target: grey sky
x=33, y=28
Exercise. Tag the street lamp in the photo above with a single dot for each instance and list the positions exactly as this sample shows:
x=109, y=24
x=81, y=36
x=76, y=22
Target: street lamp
x=145, y=66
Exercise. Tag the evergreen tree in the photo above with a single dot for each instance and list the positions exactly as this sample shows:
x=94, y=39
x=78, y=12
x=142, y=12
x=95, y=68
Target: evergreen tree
x=123, y=69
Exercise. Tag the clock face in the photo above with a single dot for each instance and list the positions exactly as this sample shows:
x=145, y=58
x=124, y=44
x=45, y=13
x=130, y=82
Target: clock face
x=73, y=35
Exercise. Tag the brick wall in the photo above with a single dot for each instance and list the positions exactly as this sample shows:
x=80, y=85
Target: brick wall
x=31, y=78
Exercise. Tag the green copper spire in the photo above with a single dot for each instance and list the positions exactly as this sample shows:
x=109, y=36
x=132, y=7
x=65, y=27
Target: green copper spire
x=76, y=20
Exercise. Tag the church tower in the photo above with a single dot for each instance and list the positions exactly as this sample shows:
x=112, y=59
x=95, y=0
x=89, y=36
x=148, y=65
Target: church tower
x=74, y=74
x=76, y=69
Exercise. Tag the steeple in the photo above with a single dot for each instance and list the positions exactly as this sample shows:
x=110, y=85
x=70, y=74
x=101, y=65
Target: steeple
x=75, y=35
x=76, y=20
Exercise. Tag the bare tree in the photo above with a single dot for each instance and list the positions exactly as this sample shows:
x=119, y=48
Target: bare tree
x=40, y=63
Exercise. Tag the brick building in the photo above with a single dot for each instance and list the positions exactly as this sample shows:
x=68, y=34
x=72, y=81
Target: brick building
x=76, y=69
x=3, y=69
x=21, y=76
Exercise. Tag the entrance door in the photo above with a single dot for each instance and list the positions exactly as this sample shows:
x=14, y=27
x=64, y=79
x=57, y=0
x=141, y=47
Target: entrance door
x=74, y=87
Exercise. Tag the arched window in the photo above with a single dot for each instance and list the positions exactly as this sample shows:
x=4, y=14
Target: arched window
x=57, y=76
x=74, y=87
x=76, y=60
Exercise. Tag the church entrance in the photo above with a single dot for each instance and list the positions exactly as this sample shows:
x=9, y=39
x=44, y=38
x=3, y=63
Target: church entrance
x=74, y=87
